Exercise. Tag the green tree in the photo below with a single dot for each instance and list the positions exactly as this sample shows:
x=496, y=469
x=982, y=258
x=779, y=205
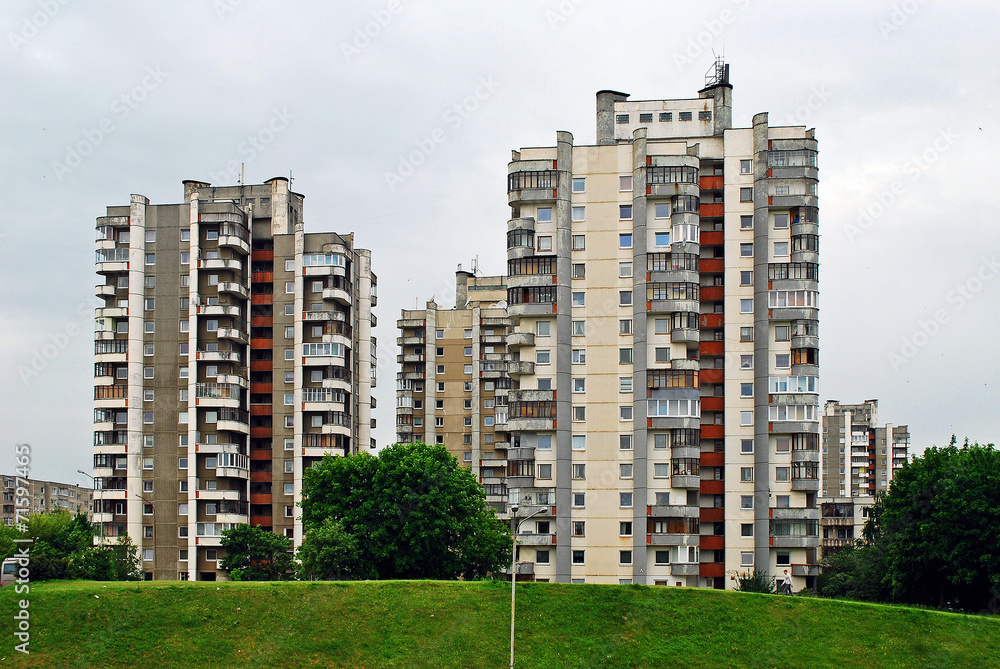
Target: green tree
x=938, y=527
x=854, y=572
x=414, y=512
x=329, y=553
x=255, y=554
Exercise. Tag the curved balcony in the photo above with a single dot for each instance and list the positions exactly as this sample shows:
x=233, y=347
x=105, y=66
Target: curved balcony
x=327, y=316
x=795, y=542
x=344, y=384
x=685, y=481
x=690, y=452
x=684, y=336
x=803, y=200
x=411, y=341
x=234, y=288
x=806, y=485
x=338, y=295
x=104, y=290
x=528, y=309
x=220, y=263
x=529, y=280
x=221, y=495
x=234, y=334
x=518, y=368
x=531, y=181
x=234, y=449
x=233, y=379
x=111, y=312
x=323, y=361
x=218, y=395
x=521, y=224
x=112, y=260
x=218, y=356
x=235, y=242
x=516, y=340
x=411, y=357
x=219, y=310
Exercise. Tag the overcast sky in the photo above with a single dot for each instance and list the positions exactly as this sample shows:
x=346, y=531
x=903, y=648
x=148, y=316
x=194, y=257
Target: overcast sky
x=105, y=99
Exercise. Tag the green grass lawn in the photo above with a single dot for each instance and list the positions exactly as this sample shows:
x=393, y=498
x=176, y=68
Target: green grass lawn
x=466, y=625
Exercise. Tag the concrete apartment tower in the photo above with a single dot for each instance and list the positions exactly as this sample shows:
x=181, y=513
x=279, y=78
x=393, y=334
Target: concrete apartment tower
x=663, y=423
x=233, y=351
x=859, y=460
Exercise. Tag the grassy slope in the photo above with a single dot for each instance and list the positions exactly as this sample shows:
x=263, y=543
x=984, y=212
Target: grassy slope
x=434, y=624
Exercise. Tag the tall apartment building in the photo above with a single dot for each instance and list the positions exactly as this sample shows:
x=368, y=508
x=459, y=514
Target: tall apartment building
x=452, y=388
x=859, y=460
x=233, y=350
x=663, y=293
x=45, y=496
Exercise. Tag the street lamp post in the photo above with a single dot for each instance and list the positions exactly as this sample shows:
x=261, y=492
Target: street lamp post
x=93, y=483
x=514, y=526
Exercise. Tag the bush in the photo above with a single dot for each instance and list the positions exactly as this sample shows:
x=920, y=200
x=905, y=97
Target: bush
x=755, y=581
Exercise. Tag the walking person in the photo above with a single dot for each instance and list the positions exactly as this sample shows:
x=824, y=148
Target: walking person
x=786, y=583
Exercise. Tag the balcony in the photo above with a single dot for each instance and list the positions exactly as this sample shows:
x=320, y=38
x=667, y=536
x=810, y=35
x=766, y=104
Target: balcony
x=529, y=539
x=673, y=539
x=411, y=341
x=104, y=290
x=795, y=542
x=111, y=312
x=218, y=356
x=230, y=495
x=218, y=395
x=324, y=316
x=805, y=570
x=673, y=511
x=788, y=513
x=519, y=368
x=339, y=295
x=111, y=261
x=238, y=242
x=532, y=181
x=234, y=288
x=233, y=334
x=234, y=449
x=220, y=263
x=411, y=357
x=516, y=340
x=685, y=569
x=410, y=323
x=219, y=310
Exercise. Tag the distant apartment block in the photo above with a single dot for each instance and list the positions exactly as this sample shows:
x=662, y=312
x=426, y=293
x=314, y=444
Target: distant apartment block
x=859, y=460
x=46, y=496
x=233, y=351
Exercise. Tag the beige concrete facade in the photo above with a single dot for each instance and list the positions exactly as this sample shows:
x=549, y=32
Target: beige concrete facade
x=663, y=419
x=234, y=349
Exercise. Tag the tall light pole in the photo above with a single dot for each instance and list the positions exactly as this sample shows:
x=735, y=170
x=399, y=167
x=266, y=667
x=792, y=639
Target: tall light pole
x=514, y=526
x=93, y=483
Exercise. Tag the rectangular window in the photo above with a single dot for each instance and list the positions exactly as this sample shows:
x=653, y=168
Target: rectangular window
x=544, y=471
x=579, y=185
x=625, y=356
x=625, y=470
x=545, y=243
x=624, y=557
x=780, y=249
x=661, y=470
x=746, y=276
x=781, y=221
x=625, y=442
x=746, y=529
x=625, y=326
x=625, y=384
x=579, y=242
x=579, y=500
x=579, y=385
x=579, y=299
x=661, y=210
x=662, y=238
x=746, y=418
x=625, y=500
x=543, y=328
x=620, y=119
x=746, y=390
x=579, y=471
x=625, y=184
x=579, y=328
x=684, y=116
x=782, y=361
x=624, y=270
x=579, y=270
x=625, y=212
x=746, y=250
x=579, y=214
x=746, y=166
x=746, y=501
x=746, y=474
x=579, y=356
x=625, y=240
x=542, y=357
x=746, y=222
x=746, y=307
x=661, y=354
x=781, y=474
x=746, y=195
x=579, y=440
x=625, y=298
x=543, y=215
x=746, y=333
